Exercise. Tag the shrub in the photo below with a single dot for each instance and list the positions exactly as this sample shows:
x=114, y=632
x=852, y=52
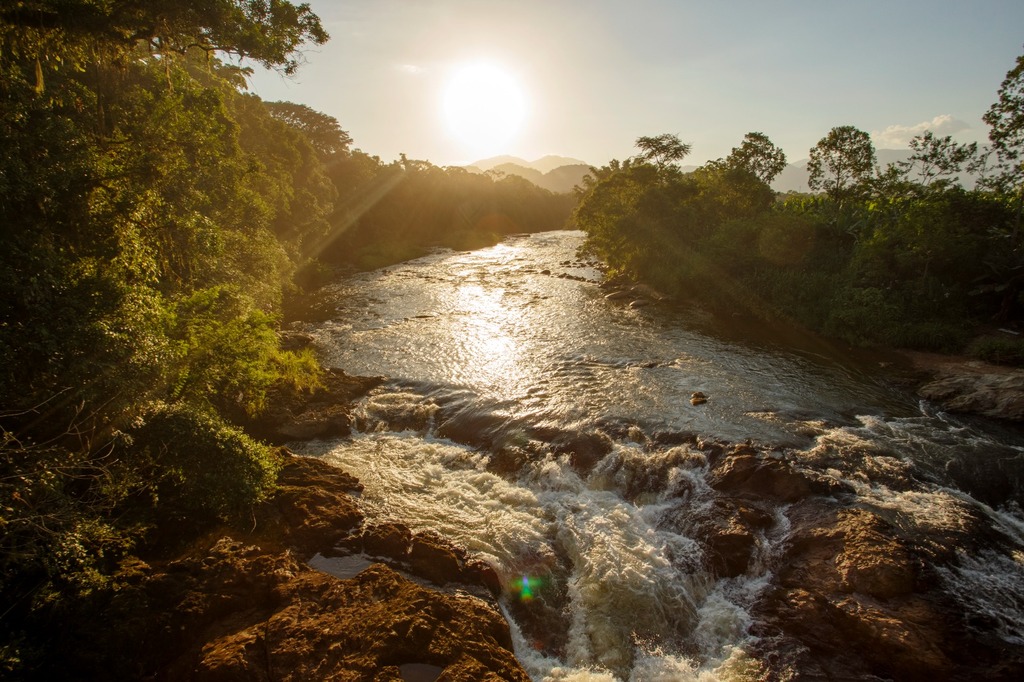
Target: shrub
x=999, y=350
x=203, y=469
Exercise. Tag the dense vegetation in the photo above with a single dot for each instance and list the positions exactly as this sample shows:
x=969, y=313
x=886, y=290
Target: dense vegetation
x=901, y=256
x=154, y=218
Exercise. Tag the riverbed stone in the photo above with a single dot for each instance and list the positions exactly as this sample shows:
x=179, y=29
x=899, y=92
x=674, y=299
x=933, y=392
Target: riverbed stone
x=747, y=473
x=436, y=559
x=389, y=539
x=999, y=395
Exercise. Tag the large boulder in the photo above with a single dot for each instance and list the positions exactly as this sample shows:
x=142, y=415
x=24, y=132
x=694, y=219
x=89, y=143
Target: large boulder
x=999, y=395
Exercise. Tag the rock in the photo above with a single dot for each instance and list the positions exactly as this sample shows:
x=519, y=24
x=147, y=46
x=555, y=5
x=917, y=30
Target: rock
x=747, y=474
x=848, y=600
x=303, y=415
x=482, y=573
x=584, y=449
x=999, y=395
x=293, y=340
x=873, y=561
x=698, y=398
x=436, y=560
x=356, y=629
x=387, y=540
x=311, y=510
x=731, y=535
x=245, y=605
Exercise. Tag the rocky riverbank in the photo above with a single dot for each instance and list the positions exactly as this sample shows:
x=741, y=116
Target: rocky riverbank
x=247, y=604
x=317, y=590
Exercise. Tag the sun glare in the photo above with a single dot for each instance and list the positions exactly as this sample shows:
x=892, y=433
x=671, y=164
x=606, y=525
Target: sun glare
x=483, y=107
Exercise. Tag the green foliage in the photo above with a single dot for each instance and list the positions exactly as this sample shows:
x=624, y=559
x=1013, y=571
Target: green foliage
x=203, y=470
x=874, y=260
x=759, y=156
x=322, y=131
x=228, y=353
x=153, y=215
x=662, y=150
x=270, y=32
x=1000, y=350
x=389, y=213
x=842, y=163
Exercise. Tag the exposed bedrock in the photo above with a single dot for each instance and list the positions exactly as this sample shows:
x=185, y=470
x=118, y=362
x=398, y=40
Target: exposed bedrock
x=851, y=595
x=247, y=605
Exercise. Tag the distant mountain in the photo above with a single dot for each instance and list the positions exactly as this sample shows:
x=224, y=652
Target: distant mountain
x=488, y=164
x=549, y=163
x=544, y=164
x=560, y=180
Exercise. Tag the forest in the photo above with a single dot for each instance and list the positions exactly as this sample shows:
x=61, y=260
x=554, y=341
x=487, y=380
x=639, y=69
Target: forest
x=903, y=256
x=156, y=220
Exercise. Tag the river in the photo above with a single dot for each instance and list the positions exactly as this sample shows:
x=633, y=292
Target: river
x=550, y=431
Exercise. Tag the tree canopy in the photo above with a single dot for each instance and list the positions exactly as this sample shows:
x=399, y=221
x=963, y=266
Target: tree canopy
x=842, y=162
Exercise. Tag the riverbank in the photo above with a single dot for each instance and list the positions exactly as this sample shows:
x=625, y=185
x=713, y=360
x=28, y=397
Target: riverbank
x=248, y=604
x=317, y=589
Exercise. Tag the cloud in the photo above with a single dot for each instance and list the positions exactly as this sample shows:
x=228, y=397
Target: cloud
x=411, y=69
x=896, y=136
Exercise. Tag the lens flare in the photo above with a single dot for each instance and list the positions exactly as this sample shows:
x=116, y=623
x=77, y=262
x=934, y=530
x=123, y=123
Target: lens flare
x=525, y=588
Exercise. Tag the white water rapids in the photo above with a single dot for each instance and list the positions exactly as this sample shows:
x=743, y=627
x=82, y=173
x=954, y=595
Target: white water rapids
x=549, y=431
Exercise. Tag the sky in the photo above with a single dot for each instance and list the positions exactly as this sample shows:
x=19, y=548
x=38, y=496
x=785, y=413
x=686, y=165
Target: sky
x=585, y=78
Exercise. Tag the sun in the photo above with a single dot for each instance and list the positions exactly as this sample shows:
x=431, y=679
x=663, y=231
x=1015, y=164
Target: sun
x=483, y=107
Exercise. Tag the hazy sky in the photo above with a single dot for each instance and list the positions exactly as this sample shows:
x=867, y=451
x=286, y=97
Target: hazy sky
x=596, y=74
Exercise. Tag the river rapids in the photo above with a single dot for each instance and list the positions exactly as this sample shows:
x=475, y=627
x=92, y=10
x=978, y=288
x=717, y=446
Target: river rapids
x=550, y=431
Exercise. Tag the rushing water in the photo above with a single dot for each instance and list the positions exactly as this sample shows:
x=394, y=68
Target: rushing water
x=550, y=431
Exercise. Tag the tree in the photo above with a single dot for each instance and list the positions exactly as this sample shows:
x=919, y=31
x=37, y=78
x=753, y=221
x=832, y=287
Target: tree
x=937, y=158
x=323, y=131
x=662, y=150
x=269, y=32
x=842, y=162
x=758, y=155
x=1006, y=132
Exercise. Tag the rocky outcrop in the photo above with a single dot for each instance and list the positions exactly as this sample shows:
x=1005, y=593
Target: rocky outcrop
x=998, y=395
x=851, y=595
x=324, y=412
x=247, y=606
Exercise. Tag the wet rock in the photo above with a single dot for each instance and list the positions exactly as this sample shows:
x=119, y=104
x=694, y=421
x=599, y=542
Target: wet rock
x=849, y=600
x=435, y=559
x=998, y=395
x=294, y=340
x=324, y=412
x=755, y=475
x=479, y=429
x=584, y=449
x=387, y=540
x=732, y=534
x=482, y=573
x=874, y=561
